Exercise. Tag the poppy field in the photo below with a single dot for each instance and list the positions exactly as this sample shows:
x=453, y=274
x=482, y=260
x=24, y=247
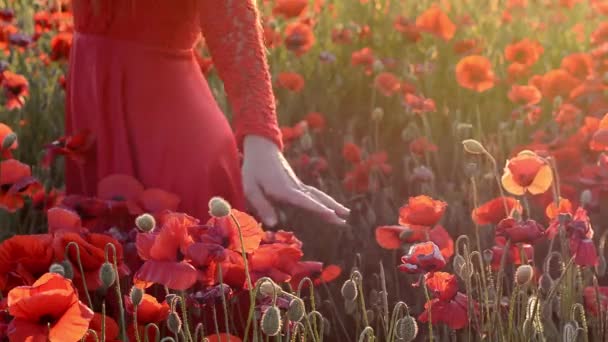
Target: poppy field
x=468, y=137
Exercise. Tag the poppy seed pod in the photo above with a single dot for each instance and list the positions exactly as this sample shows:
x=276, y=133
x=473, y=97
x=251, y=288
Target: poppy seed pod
x=174, y=323
x=377, y=114
x=524, y=274
x=296, y=310
x=57, y=268
x=586, y=197
x=406, y=329
x=271, y=321
x=269, y=289
x=68, y=270
x=8, y=141
x=219, y=207
x=136, y=295
x=107, y=274
x=145, y=222
x=473, y=146
x=349, y=290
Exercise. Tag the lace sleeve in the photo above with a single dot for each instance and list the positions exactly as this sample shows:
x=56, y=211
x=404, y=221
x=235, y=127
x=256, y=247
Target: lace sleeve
x=234, y=37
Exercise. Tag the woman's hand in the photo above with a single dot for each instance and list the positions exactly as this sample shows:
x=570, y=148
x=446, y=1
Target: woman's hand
x=267, y=176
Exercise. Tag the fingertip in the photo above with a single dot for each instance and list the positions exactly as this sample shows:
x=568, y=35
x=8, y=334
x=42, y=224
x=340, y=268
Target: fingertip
x=270, y=221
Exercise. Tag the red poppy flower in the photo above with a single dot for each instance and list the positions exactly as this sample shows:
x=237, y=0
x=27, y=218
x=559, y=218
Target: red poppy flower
x=299, y=37
x=315, y=271
x=16, y=89
x=558, y=82
x=164, y=252
x=493, y=212
x=454, y=313
x=526, y=231
x=62, y=219
x=74, y=147
x=291, y=81
x=442, y=285
x=149, y=310
x=407, y=28
x=387, y=83
x=16, y=183
x=315, y=121
x=289, y=8
x=525, y=52
x=421, y=211
x=591, y=299
x=226, y=230
x=23, y=258
x=276, y=261
x=566, y=115
x=92, y=255
x=5, y=153
x=475, y=73
x=527, y=172
x=351, y=152
x=578, y=65
x=420, y=146
x=524, y=94
x=110, y=326
x=272, y=38
x=47, y=310
x=436, y=22
x=364, y=57
x=343, y=35
x=421, y=258
x=467, y=47
x=599, y=140
x=418, y=104
x=61, y=44
x=564, y=206
x=514, y=254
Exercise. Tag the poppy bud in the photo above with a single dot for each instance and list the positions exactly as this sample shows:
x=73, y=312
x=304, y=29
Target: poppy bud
x=68, y=269
x=136, y=295
x=473, y=146
x=145, y=222
x=406, y=329
x=271, y=321
x=488, y=255
x=349, y=290
x=296, y=310
x=377, y=114
x=8, y=141
x=524, y=274
x=458, y=263
x=57, y=268
x=586, y=197
x=107, y=274
x=174, y=323
x=570, y=331
x=219, y=207
x=269, y=289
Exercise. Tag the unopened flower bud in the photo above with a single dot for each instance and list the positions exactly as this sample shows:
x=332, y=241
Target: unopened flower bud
x=269, y=289
x=8, y=141
x=174, y=323
x=68, y=269
x=586, y=197
x=406, y=329
x=136, y=295
x=271, y=321
x=296, y=310
x=545, y=283
x=349, y=290
x=57, y=268
x=571, y=330
x=488, y=255
x=377, y=114
x=473, y=146
x=107, y=274
x=219, y=207
x=524, y=274
x=145, y=222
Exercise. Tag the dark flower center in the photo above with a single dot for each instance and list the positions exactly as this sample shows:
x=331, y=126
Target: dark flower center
x=46, y=320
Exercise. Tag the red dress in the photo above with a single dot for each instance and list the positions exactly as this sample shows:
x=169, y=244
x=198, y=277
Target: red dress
x=135, y=83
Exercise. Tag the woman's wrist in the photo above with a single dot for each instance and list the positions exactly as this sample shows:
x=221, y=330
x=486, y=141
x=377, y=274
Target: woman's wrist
x=259, y=144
